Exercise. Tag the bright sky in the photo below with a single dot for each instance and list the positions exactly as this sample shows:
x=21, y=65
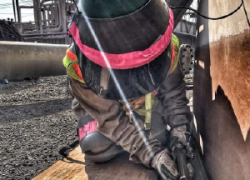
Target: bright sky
x=194, y=4
x=6, y=10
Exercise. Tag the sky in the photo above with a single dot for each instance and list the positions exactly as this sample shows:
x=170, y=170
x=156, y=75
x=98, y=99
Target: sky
x=6, y=10
x=194, y=4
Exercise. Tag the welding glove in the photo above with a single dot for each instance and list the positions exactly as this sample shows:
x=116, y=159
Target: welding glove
x=163, y=163
x=181, y=135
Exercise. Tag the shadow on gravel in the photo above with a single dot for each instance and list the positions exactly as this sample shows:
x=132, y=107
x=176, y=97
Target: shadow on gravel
x=73, y=161
x=18, y=113
x=65, y=152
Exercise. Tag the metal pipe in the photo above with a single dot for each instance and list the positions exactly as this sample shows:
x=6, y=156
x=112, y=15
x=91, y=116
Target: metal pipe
x=48, y=34
x=35, y=10
x=44, y=38
x=20, y=60
x=40, y=18
x=44, y=16
x=18, y=11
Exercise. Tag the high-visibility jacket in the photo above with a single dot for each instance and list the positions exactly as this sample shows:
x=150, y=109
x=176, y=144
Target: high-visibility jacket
x=70, y=62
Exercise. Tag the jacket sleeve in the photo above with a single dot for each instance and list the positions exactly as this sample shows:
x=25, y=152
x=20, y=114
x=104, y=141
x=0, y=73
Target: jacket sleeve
x=172, y=94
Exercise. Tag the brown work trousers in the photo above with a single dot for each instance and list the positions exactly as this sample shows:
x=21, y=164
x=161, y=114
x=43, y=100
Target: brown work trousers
x=113, y=123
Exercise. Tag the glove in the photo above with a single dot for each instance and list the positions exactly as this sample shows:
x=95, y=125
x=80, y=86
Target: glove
x=181, y=135
x=163, y=163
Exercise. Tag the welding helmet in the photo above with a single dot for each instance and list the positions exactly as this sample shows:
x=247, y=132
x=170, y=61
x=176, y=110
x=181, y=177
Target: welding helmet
x=126, y=39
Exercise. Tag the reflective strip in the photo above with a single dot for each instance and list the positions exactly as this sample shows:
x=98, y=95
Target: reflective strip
x=175, y=53
x=70, y=62
x=125, y=60
x=149, y=104
x=78, y=71
x=87, y=129
x=71, y=55
x=147, y=108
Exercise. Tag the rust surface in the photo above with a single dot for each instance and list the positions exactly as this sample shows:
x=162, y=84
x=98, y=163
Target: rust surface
x=227, y=118
x=227, y=154
x=230, y=69
x=74, y=167
x=222, y=94
x=221, y=102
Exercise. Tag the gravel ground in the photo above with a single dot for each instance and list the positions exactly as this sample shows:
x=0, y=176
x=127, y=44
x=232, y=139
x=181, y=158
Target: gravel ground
x=36, y=122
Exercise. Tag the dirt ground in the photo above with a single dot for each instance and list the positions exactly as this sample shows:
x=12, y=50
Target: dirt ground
x=36, y=122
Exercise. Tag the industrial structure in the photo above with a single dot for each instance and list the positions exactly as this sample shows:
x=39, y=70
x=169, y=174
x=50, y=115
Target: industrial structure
x=51, y=19
x=222, y=88
x=221, y=75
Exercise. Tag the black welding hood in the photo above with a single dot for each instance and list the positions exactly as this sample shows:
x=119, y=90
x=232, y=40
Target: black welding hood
x=123, y=45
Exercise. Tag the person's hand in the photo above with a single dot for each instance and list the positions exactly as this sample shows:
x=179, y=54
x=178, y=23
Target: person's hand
x=163, y=163
x=181, y=135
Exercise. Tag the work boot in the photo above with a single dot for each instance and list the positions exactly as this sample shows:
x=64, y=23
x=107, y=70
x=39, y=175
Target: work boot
x=165, y=166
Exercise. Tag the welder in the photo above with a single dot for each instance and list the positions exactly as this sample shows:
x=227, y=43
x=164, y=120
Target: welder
x=124, y=51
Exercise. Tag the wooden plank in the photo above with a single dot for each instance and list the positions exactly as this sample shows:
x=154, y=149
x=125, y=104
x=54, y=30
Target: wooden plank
x=74, y=167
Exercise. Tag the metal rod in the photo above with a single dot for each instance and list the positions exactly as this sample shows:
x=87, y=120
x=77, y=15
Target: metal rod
x=21, y=60
x=18, y=11
x=47, y=34
x=35, y=10
x=26, y=7
x=37, y=38
x=14, y=9
x=40, y=17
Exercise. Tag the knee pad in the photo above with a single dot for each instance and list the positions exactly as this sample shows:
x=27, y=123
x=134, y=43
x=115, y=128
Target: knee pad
x=94, y=145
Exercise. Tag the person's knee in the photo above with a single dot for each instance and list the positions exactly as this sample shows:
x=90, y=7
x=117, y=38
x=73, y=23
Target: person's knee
x=94, y=145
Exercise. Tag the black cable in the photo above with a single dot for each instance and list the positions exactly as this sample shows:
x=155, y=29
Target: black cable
x=217, y=18
x=248, y=21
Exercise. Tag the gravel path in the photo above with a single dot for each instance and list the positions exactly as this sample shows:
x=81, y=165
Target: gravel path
x=36, y=122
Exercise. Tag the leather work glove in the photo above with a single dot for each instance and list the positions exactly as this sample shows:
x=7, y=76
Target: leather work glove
x=181, y=141
x=163, y=163
x=181, y=135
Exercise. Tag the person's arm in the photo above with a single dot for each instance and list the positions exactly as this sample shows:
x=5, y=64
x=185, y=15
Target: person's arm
x=172, y=94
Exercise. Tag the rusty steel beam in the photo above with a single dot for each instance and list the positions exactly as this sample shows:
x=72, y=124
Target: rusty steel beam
x=221, y=89
x=19, y=60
